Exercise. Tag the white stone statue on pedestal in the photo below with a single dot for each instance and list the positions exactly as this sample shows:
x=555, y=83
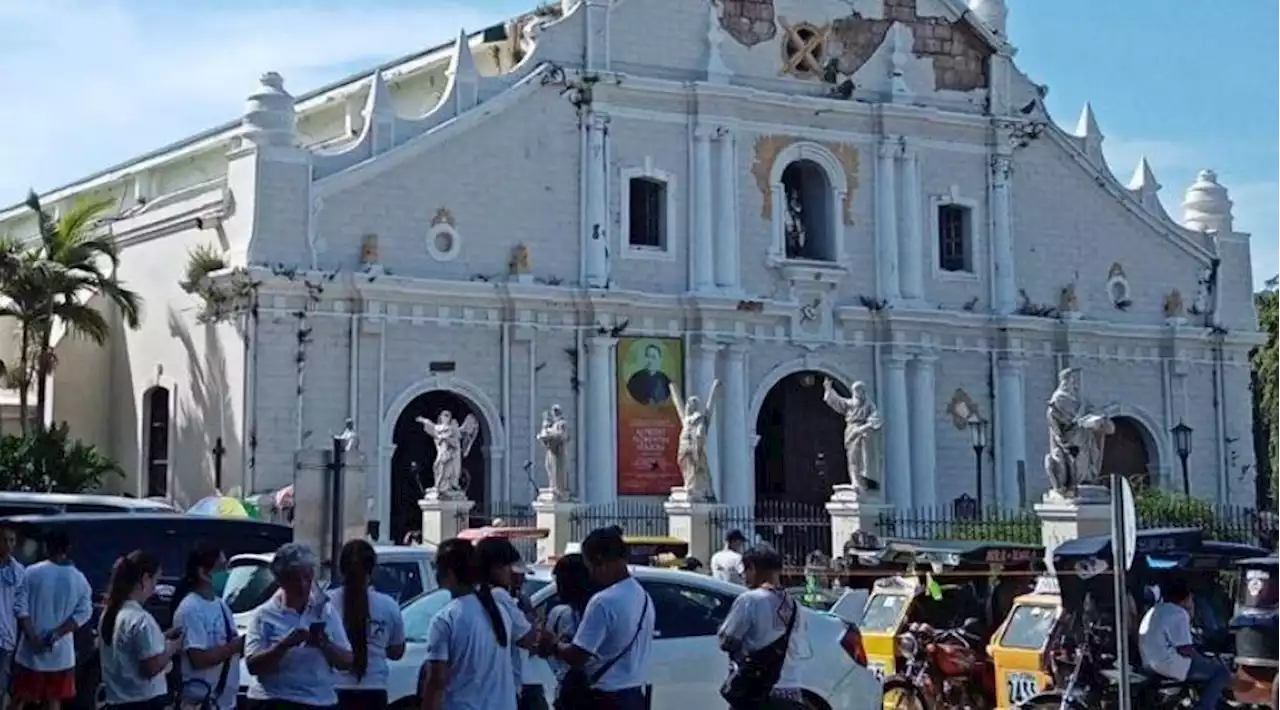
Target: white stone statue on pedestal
x=691, y=455
x=554, y=436
x=453, y=443
x=862, y=429
x=1076, y=438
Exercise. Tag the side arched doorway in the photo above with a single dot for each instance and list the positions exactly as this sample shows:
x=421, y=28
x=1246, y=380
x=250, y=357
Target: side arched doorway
x=800, y=454
x=1128, y=451
x=415, y=452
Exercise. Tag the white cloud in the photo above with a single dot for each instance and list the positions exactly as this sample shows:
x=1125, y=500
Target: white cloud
x=97, y=81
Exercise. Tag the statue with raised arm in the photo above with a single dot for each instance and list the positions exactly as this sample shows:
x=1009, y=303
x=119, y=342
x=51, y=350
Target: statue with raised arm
x=1076, y=437
x=862, y=428
x=554, y=436
x=691, y=454
x=453, y=443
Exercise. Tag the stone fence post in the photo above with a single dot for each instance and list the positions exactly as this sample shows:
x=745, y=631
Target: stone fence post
x=1063, y=519
x=554, y=513
x=692, y=521
x=443, y=518
x=850, y=516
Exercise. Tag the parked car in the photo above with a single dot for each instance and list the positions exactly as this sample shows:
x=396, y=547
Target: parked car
x=99, y=539
x=686, y=664
x=25, y=503
x=403, y=572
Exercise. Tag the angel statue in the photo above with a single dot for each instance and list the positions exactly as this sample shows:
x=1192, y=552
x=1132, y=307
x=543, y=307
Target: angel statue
x=553, y=436
x=1076, y=437
x=862, y=424
x=691, y=454
x=453, y=443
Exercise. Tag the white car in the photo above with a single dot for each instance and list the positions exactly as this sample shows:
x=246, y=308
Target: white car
x=686, y=665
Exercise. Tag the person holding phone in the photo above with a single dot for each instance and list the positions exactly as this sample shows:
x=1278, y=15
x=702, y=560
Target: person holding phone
x=133, y=651
x=296, y=639
x=210, y=662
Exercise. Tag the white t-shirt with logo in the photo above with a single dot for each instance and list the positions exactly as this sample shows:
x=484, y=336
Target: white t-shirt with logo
x=520, y=627
x=135, y=637
x=726, y=566
x=760, y=617
x=303, y=675
x=480, y=673
x=385, y=628
x=610, y=622
x=563, y=623
x=207, y=624
x=1165, y=628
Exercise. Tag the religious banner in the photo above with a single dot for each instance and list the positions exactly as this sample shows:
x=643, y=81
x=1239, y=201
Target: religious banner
x=648, y=424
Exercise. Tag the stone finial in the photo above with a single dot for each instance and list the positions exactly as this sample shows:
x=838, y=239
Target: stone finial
x=993, y=13
x=269, y=117
x=717, y=71
x=1144, y=186
x=1206, y=206
x=901, y=41
x=379, y=115
x=1089, y=134
x=464, y=77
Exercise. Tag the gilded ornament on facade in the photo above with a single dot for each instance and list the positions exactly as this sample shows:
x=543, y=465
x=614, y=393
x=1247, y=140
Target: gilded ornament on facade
x=442, y=216
x=767, y=149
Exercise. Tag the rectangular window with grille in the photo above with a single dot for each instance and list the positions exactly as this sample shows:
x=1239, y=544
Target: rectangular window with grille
x=157, y=441
x=954, y=239
x=647, y=214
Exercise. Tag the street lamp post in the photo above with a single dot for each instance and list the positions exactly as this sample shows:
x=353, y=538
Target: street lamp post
x=978, y=432
x=1182, y=443
x=337, y=466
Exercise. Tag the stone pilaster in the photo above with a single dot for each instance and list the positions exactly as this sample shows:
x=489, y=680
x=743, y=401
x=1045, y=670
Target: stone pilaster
x=703, y=204
x=1010, y=430
x=911, y=267
x=736, y=468
x=601, y=473
x=897, y=433
x=924, y=412
x=726, y=234
x=1006, y=290
x=887, y=222
x=596, y=236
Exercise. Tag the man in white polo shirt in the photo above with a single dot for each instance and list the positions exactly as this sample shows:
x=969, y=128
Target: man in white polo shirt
x=1166, y=646
x=726, y=565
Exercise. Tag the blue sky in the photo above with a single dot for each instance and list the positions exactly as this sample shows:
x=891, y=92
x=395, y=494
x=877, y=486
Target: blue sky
x=94, y=82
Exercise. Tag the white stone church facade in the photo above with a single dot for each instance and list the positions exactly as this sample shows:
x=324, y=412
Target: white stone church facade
x=491, y=219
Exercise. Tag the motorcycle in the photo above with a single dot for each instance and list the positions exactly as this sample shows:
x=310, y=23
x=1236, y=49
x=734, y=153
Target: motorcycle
x=940, y=669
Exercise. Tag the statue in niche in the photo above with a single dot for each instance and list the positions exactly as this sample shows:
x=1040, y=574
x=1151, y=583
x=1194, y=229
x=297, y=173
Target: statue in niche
x=369, y=250
x=862, y=428
x=1204, y=291
x=1173, y=304
x=554, y=437
x=1068, y=302
x=795, y=232
x=1077, y=434
x=519, y=263
x=453, y=443
x=691, y=454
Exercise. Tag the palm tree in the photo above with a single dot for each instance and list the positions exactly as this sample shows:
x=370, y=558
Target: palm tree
x=52, y=280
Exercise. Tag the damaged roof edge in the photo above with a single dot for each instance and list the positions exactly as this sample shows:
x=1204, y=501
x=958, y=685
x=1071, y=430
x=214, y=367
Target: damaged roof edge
x=493, y=33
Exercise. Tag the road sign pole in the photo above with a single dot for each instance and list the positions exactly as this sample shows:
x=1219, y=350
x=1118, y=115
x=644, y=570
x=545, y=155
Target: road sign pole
x=1119, y=562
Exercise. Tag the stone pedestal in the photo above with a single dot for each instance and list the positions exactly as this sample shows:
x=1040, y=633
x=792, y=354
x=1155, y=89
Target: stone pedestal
x=851, y=513
x=313, y=499
x=443, y=517
x=554, y=511
x=694, y=521
x=1063, y=519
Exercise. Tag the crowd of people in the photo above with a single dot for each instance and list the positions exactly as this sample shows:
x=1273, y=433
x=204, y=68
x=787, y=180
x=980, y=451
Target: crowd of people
x=307, y=649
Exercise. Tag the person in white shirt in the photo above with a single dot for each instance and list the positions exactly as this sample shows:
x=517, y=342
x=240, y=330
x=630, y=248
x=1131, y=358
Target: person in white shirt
x=134, y=653
x=55, y=601
x=763, y=629
x=726, y=565
x=295, y=639
x=11, y=572
x=573, y=589
x=211, y=647
x=1166, y=646
x=374, y=626
x=611, y=646
x=500, y=563
x=469, y=660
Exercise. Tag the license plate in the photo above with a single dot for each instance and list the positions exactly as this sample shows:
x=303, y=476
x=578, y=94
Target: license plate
x=1021, y=687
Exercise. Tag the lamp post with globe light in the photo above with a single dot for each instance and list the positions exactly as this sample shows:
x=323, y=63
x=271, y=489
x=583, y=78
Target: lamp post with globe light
x=978, y=432
x=1182, y=444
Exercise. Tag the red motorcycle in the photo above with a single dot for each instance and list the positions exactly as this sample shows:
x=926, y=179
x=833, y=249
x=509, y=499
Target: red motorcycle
x=941, y=669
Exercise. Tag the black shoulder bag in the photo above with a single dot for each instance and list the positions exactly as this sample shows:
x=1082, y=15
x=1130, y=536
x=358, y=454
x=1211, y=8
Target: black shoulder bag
x=210, y=701
x=752, y=680
x=575, y=688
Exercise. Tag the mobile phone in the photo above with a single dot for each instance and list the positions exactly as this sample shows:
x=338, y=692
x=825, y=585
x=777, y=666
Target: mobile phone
x=317, y=628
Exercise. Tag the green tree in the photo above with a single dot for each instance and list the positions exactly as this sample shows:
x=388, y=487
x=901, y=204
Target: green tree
x=50, y=281
x=50, y=461
x=1265, y=389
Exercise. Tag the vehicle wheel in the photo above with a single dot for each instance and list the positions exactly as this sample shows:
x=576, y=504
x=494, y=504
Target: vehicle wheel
x=813, y=702
x=902, y=695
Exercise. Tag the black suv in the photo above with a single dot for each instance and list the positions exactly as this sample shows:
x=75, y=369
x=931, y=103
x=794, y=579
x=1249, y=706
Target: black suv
x=99, y=539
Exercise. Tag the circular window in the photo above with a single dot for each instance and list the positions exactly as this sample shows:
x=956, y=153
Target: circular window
x=804, y=50
x=442, y=242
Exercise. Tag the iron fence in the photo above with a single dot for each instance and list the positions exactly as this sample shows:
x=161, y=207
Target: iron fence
x=1233, y=523
x=964, y=519
x=793, y=528
x=506, y=513
x=635, y=517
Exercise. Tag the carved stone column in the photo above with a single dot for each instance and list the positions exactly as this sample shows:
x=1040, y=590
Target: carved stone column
x=1010, y=433
x=1005, y=288
x=923, y=387
x=897, y=433
x=887, y=222
x=601, y=473
x=726, y=230
x=596, y=236
x=703, y=204
x=912, y=257
x=737, y=470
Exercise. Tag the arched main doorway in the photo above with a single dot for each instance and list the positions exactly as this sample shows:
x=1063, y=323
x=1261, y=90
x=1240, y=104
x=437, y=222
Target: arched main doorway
x=800, y=454
x=1127, y=451
x=415, y=451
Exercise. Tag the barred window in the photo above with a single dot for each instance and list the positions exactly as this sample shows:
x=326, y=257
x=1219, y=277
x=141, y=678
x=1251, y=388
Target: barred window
x=954, y=238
